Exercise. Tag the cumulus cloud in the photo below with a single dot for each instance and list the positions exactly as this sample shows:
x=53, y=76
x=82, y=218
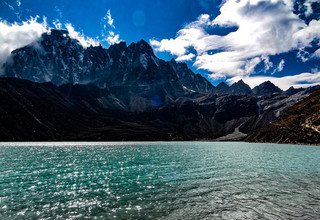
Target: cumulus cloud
x=191, y=36
x=263, y=28
x=108, y=33
x=297, y=81
x=16, y=35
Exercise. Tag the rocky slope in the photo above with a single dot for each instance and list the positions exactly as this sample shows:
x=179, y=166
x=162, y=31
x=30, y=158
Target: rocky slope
x=299, y=124
x=43, y=111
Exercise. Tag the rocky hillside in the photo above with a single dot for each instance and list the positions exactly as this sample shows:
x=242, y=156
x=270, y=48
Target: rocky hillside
x=299, y=124
x=43, y=111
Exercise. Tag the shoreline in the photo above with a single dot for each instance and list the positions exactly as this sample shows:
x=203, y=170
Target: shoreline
x=103, y=143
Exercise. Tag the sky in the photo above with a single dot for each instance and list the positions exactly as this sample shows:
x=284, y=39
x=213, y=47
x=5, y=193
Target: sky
x=252, y=40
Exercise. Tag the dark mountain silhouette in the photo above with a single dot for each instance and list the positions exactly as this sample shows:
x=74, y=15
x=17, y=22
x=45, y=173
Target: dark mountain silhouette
x=240, y=87
x=266, y=88
x=292, y=90
x=222, y=89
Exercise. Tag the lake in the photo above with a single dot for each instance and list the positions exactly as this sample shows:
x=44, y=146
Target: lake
x=162, y=180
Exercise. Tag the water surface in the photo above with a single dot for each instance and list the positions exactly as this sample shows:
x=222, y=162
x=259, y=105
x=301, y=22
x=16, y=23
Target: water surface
x=186, y=180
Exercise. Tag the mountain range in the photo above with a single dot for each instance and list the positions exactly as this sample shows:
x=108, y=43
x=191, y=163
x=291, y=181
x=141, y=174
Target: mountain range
x=55, y=89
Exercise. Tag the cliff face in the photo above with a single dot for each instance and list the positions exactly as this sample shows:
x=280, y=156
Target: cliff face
x=299, y=124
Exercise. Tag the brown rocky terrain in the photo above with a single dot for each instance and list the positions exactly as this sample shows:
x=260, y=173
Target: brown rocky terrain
x=299, y=124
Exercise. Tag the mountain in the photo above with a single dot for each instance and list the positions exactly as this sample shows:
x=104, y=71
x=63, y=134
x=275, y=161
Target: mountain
x=195, y=82
x=222, y=89
x=266, y=88
x=46, y=112
x=299, y=124
x=54, y=89
x=43, y=111
x=292, y=90
x=240, y=87
x=133, y=73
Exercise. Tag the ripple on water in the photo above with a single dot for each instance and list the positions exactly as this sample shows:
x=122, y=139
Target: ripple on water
x=160, y=180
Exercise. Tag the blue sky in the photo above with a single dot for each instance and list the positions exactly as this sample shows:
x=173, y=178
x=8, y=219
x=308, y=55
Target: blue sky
x=251, y=40
x=134, y=20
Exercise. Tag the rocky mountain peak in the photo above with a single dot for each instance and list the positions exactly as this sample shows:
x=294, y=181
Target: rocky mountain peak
x=266, y=88
x=118, y=47
x=57, y=32
x=222, y=88
x=240, y=87
x=292, y=90
x=141, y=47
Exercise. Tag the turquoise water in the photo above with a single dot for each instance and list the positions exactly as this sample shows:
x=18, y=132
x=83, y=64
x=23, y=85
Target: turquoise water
x=191, y=180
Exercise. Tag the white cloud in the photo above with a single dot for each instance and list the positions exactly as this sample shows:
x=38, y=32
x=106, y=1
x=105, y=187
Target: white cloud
x=18, y=3
x=109, y=18
x=84, y=41
x=264, y=28
x=303, y=55
x=191, y=36
x=57, y=24
x=317, y=53
x=13, y=36
x=308, y=5
x=297, y=81
x=267, y=63
x=251, y=64
x=113, y=38
x=16, y=35
x=108, y=32
x=307, y=34
x=280, y=65
x=187, y=57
